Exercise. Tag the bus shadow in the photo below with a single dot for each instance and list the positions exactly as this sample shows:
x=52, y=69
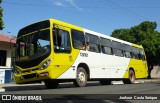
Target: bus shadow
x=24, y=87
x=27, y=87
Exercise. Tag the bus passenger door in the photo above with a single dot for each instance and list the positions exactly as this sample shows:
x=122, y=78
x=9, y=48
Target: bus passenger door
x=63, y=57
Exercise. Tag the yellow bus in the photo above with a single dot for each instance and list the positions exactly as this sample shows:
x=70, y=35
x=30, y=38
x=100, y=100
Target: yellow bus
x=54, y=51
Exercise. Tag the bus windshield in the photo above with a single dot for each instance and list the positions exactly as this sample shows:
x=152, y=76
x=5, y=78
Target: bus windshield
x=33, y=45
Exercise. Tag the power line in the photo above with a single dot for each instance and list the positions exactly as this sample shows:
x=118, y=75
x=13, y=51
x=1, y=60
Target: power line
x=28, y=4
x=101, y=7
x=126, y=10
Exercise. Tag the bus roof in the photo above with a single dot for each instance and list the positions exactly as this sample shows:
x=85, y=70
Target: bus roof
x=54, y=21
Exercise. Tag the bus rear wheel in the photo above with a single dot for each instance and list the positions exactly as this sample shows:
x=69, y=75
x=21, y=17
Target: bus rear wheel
x=51, y=84
x=81, y=78
x=105, y=82
x=131, y=77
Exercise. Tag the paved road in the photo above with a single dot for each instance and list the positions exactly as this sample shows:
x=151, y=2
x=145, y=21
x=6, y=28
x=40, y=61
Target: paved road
x=99, y=94
x=91, y=88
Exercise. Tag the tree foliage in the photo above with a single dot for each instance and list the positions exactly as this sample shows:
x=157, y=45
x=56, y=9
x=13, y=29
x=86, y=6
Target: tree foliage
x=144, y=34
x=1, y=15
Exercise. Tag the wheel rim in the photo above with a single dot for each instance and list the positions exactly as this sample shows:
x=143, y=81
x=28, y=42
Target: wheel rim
x=81, y=77
x=132, y=76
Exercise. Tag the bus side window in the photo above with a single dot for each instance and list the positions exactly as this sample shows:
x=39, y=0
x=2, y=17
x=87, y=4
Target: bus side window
x=78, y=39
x=142, y=55
x=106, y=50
x=93, y=43
x=127, y=54
x=117, y=48
x=118, y=52
x=127, y=51
x=135, y=53
x=106, y=46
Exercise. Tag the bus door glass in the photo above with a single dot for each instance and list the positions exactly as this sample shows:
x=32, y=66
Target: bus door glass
x=62, y=48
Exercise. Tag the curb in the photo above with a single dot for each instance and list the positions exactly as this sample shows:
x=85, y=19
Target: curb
x=148, y=80
x=2, y=90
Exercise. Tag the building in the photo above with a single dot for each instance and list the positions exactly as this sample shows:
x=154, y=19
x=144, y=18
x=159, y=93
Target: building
x=6, y=46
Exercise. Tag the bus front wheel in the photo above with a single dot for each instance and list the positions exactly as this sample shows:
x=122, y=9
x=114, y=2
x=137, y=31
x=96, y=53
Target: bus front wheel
x=51, y=84
x=81, y=77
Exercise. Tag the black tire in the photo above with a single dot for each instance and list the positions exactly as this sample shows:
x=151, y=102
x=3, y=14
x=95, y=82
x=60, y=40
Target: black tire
x=131, y=77
x=51, y=84
x=81, y=77
x=105, y=82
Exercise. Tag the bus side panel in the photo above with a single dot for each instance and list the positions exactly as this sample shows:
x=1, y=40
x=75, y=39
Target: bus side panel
x=92, y=60
x=139, y=68
x=118, y=66
x=100, y=66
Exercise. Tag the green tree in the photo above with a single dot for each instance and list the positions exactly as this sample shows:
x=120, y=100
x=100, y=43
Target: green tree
x=144, y=34
x=1, y=15
x=119, y=33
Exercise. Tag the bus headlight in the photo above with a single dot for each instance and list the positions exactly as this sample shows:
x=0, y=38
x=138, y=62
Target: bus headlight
x=46, y=64
x=16, y=71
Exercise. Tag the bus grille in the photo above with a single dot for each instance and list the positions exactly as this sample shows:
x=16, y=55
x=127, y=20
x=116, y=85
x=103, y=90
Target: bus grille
x=28, y=76
x=29, y=70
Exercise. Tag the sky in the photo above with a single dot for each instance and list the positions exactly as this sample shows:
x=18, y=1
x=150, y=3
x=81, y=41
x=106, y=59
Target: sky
x=103, y=16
